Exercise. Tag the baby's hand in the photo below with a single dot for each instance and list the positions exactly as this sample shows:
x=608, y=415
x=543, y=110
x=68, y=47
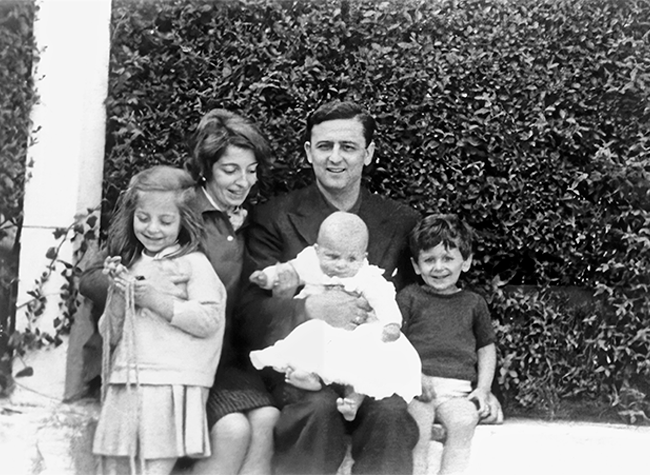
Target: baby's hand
x=287, y=281
x=114, y=268
x=390, y=332
x=260, y=278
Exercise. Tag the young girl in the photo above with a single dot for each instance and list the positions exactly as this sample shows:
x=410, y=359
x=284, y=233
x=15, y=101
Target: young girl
x=166, y=338
x=374, y=359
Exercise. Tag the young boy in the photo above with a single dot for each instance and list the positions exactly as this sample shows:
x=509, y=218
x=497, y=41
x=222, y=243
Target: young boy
x=451, y=329
x=374, y=359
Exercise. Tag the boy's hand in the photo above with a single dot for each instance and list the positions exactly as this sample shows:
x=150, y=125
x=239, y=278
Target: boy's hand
x=390, y=332
x=480, y=398
x=428, y=393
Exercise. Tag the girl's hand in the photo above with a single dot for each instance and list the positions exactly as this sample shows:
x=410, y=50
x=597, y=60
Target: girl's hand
x=114, y=268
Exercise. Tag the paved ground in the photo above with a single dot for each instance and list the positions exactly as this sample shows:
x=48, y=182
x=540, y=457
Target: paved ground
x=50, y=438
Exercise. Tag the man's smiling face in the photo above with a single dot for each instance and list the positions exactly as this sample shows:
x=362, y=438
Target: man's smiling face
x=338, y=153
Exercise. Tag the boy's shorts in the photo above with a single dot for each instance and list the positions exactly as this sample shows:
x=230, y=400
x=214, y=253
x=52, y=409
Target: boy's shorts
x=449, y=388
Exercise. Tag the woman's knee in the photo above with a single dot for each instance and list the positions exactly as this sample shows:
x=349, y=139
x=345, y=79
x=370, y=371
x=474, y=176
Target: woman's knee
x=234, y=426
x=263, y=418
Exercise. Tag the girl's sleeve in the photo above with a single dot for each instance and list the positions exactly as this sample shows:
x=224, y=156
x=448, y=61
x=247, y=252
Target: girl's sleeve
x=204, y=311
x=111, y=323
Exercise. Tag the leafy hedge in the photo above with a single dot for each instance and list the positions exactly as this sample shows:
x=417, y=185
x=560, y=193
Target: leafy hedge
x=531, y=119
x=16, y=99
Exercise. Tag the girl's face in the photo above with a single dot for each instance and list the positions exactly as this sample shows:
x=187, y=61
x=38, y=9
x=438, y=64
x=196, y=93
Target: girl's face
x=440, y=267
x=156, y=220
x=233, y=176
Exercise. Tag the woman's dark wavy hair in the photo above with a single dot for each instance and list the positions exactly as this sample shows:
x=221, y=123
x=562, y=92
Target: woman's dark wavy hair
x=217, y=130
x=121, y=237
x=447, y=229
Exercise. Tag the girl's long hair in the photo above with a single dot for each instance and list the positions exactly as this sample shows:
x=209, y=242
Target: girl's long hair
x=121, y=237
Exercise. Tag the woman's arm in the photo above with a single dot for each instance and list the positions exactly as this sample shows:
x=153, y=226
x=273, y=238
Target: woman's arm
x=93, y=283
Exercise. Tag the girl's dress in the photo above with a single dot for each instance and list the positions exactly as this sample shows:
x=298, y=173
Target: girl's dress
x=359, y=357
x=169, y=366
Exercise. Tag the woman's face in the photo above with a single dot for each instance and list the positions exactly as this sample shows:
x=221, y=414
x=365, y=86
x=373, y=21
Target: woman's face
x=233, y=176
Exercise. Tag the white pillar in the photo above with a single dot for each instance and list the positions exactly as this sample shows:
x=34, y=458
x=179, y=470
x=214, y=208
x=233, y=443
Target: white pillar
x=65, y=159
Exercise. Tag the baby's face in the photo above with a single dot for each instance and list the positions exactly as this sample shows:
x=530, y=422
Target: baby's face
x=340, y=259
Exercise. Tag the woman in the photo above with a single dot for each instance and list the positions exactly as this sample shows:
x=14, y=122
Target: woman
x=227, y=154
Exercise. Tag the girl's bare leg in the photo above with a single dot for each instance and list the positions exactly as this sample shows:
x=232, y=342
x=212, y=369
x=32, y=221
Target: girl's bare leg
x=159, y=466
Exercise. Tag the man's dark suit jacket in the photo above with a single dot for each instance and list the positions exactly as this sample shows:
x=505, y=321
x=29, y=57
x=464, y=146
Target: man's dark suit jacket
x=282, y=227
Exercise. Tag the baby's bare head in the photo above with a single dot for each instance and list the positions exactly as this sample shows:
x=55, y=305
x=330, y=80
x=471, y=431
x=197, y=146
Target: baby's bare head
x=343, y=229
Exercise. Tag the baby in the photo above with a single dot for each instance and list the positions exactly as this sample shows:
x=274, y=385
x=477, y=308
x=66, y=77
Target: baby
x=315, y=353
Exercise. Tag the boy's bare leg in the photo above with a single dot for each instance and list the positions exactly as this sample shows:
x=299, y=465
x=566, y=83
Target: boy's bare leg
x=423, y=413
x=349, y=405
x=459, y=417
x=302, y=379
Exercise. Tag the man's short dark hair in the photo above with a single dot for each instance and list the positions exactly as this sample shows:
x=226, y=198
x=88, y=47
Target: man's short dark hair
x=342, y=110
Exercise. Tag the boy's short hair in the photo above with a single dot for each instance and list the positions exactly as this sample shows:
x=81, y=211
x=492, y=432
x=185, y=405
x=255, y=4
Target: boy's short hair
x=447, y=229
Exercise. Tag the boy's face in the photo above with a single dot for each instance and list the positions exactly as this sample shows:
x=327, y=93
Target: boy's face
x=440, y=268
x=340, y=259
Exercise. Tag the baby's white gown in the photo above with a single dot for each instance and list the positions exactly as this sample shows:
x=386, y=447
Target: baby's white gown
x=358, y=357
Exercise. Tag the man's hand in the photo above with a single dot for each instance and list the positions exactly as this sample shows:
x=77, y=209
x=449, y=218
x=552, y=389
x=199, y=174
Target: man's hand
x=339, y=308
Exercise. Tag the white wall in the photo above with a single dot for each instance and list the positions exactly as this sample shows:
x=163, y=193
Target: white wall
x=65, y=178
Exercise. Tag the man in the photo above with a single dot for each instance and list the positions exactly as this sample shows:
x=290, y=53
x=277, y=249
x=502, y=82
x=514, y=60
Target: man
x=310, y=435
